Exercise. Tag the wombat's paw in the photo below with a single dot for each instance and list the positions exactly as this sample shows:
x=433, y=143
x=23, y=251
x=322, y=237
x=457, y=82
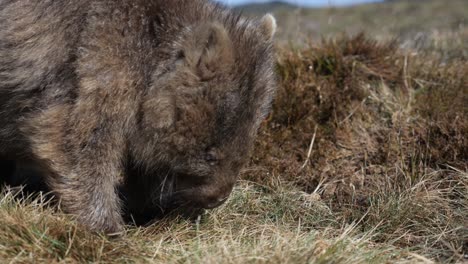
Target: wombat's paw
x=115, y=231
x=110, y=229
x=111, y=225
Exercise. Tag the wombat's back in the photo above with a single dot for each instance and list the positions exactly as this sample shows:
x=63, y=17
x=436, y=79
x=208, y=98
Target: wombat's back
x=36, y=43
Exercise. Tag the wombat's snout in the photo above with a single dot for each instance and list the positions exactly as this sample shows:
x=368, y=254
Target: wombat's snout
x=216, y=203
x=205, y=196
x=212, y=196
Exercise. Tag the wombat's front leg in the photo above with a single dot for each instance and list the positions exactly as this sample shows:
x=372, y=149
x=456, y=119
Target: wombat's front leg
x=87, y=189
x=90, y=194
x=83, y=160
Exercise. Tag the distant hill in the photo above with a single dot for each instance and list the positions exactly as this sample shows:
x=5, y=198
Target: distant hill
x=265, y=7
x=416, y=23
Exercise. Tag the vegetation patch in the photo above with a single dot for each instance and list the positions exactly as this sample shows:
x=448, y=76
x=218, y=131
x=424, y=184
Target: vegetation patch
x=379, y=134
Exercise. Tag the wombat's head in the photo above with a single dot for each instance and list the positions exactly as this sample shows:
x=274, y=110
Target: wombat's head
x=204, y=109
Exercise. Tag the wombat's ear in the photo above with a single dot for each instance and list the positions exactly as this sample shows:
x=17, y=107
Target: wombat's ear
x=208, y=50
x=268, y=26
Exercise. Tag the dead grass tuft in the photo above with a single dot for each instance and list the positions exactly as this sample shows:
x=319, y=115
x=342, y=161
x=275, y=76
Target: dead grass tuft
x=389, y=126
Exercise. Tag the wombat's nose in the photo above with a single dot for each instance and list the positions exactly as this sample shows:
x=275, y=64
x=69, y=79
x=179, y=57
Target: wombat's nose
x=216, y=203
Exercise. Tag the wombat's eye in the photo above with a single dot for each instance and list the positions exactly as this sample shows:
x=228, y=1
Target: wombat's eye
x=180, y=55
x=211, y=158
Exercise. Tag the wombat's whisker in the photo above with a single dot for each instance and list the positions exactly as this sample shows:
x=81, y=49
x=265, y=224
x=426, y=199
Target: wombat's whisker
x=162, y=185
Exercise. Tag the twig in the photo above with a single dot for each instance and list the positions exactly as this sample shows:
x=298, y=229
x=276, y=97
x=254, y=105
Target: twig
x=354, y=111
x=310, y=149
x=405, y=74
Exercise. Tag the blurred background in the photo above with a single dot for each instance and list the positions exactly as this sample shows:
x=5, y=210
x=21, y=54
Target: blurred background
x=305, y=3
x=435, y=25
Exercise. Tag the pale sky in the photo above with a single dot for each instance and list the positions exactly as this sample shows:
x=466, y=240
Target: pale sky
x=303, y=2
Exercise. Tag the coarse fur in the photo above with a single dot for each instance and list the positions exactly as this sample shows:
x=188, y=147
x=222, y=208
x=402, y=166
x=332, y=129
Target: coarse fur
x=158, y=99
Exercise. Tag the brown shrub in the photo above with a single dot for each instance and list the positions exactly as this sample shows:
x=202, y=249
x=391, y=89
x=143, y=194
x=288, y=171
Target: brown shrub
x=330, y=87
x=372, y=106
x=377, y=133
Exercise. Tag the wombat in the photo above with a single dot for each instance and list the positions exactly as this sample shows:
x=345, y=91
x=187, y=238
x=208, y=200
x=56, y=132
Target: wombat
x=137, y=105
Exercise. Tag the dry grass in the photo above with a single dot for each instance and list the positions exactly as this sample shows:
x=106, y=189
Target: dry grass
x=363, y=160
x=256, y=226
x=391, y=145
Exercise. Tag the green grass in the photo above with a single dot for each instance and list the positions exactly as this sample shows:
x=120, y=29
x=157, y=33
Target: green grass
x=385, y=180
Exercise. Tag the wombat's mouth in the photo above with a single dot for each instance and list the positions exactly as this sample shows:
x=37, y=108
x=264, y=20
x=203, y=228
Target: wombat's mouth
x=158, y=197
x=189, y=200
x=167, y=205
x=151, y=215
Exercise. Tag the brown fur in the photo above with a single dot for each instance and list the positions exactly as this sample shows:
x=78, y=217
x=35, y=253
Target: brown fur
x=159, y=98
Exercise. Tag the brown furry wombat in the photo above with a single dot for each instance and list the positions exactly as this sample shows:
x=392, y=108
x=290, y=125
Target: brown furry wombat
x=160, y=99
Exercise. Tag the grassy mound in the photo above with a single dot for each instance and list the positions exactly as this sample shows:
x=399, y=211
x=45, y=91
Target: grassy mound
x=363, y=160
x=379, y=134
